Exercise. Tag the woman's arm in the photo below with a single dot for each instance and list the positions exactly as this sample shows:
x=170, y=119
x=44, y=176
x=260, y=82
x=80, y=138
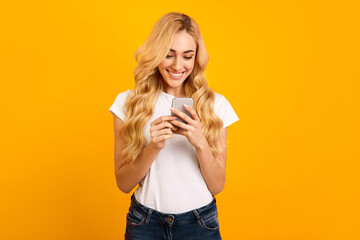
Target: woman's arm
x=130, y=174
x=213, y=169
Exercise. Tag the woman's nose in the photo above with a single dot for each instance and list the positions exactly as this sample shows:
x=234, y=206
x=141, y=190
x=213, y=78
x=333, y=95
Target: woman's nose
x=177, y=64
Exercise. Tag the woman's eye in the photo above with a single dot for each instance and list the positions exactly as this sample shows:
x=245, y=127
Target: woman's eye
x=170, y=56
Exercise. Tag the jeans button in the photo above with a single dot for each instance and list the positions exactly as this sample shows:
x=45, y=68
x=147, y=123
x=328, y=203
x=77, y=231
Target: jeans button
x=168, y=219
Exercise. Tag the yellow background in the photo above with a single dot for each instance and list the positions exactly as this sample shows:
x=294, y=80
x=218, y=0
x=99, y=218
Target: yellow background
x=290, y=69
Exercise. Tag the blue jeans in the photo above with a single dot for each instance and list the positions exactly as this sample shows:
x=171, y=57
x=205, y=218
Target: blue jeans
x=147, y=224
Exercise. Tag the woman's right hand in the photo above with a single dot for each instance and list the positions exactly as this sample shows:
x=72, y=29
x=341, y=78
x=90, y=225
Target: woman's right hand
x=160, y=130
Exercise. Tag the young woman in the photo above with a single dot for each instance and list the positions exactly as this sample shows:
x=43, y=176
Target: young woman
x=179, y=167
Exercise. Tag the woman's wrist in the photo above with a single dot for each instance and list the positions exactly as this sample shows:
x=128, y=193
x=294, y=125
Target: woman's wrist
x=201, y=144
x=153, y=148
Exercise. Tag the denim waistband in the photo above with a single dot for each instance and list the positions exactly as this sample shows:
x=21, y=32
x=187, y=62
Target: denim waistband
x=179, y=218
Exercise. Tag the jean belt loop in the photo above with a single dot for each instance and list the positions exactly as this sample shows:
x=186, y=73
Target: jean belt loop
x=148, y=215
x=197, y=215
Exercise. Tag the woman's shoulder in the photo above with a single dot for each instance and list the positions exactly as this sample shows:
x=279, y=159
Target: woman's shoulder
x=218, y=95
x=220, y=102
x=121, y=96
x=224, y=110
x=118, y=105
x=218, y=98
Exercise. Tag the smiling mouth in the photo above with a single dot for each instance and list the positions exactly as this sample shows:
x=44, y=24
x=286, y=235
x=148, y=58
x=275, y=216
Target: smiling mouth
x=176, y=75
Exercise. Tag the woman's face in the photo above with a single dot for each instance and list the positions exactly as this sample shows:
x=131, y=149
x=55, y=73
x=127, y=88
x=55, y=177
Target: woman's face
x=179, y=62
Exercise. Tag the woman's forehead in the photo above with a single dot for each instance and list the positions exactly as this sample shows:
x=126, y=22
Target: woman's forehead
x=182, y=43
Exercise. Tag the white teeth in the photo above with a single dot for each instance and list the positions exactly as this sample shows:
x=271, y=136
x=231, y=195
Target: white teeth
x=175, y=75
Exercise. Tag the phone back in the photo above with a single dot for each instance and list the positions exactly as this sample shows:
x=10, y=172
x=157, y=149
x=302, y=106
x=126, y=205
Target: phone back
x=178, y=103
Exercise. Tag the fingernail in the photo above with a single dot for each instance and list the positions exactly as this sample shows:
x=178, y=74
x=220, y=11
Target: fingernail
x=172, y=108
x=185, y=105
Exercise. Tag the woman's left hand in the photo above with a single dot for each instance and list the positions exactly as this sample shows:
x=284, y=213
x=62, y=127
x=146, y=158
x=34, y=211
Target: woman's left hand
x=192, y=131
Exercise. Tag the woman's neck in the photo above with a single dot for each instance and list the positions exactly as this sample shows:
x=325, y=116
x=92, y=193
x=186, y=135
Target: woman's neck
x=175, y=92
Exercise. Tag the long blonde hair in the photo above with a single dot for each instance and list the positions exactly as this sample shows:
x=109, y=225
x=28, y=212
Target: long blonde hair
x=140, y=103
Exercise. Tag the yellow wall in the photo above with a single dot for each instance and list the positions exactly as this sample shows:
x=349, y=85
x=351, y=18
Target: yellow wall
x=290, y=69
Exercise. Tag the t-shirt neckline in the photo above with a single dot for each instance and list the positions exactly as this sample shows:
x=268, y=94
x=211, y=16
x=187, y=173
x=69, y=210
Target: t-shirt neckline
x=166, y=94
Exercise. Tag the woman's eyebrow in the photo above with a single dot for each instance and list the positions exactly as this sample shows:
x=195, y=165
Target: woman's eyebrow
x=172, y=50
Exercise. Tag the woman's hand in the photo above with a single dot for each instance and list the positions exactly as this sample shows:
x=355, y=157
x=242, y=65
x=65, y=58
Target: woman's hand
x=160, y=130
x=192, y=131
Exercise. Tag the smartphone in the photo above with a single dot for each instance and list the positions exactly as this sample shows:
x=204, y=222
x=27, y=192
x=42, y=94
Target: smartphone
x=178, y=103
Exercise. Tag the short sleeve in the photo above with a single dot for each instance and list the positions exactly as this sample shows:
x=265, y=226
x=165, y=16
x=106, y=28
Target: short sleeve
x=118, y=106
x=224, y=110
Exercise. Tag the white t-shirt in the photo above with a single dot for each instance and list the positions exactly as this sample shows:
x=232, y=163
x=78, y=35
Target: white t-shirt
x=174, y=183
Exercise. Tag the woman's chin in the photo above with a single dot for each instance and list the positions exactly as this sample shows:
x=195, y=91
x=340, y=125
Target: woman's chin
x=174, y=83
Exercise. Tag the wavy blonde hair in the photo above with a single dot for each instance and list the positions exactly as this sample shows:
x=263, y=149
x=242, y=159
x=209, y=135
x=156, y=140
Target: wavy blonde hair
x=140, y=103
